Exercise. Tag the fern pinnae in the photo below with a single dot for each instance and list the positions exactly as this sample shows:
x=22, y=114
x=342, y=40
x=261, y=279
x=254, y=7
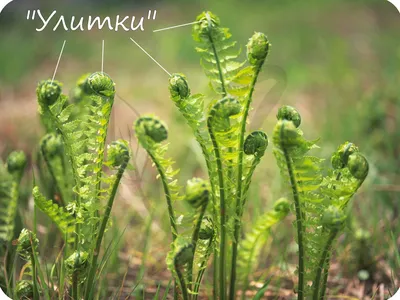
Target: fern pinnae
x=118, y=157
x=290, y=152
x=218, y=122
x=10, y=177
x=251, y=246
x=150, y=132
x=61, y=218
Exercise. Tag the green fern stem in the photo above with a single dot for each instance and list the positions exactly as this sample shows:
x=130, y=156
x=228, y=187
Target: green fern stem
x=168, y=196
x=323, y=264
x=195, y=238
x=299, y=222
x=325, y=278
x=239, y=197
x=221, y=77
x=222, y=257
x=107, y=212
x=182, y=283
x=34, y=277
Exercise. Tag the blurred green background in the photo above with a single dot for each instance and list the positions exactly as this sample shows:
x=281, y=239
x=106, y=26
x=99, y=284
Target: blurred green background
x=336, y=61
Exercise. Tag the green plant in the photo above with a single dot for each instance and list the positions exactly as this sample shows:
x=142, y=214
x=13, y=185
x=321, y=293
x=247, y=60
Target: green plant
x=86, y=183
x=317, y=200
x=230, y=155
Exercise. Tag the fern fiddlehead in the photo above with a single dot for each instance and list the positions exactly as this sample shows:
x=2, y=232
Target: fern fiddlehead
x=10, y=177
x=290, y=153
x=26, y=248
x=219, y=121
x=197, y=195
x=150, y=132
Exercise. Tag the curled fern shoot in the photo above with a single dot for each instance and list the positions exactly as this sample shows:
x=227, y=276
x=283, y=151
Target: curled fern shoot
x=24, y=289
x=118, y=157
x=301, y=173
x=151, y=131
x=197, y=195
x=219, y=121
x=10, y=177
x=180, y=255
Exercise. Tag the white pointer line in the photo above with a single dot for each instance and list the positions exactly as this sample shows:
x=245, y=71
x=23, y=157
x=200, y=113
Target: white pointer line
x=58, y=62
x=172, y=27
x=102, y=57
x=151, y=57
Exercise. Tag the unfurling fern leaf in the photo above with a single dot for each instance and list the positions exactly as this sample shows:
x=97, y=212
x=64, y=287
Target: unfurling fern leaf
x=62, y=218
x=10, y=177
x=150, y=132
x=251, y=247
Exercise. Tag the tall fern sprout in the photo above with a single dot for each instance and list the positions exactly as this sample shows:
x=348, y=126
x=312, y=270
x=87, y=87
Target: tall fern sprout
x=317, y=200
x=151, y=132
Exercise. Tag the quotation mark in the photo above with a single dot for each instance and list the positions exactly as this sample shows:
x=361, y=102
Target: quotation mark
x=154, y=15
x=28, y=15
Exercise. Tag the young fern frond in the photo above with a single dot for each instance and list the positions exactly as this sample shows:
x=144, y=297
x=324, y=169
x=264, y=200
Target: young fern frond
x=10, y=177
x=178, y=258
x=219, y=126
x=218, y=53
x=61, y=217
x=118, y=158
x=302, y=173
x=150, y=132
x=251, y=247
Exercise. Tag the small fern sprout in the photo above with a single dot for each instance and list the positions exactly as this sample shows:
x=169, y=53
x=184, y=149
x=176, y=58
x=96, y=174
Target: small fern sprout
x=258, y=48
x=358, y=165
x=77, y=262
x=256, y=143
x=51, y=145
x=118, y=153
x=27, y=244
x=289, y=113
x=340, y=158
x=333, y=218
x=48, y=92
x=150, y=130
x=24, y=289
x=16, y=163
x=197, y=192
x=101, y=84
x=206, y=26
x=183, y=254
x=178, y=87
x=282, y=206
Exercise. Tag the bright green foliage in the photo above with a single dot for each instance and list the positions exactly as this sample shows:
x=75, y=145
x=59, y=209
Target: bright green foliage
x=251, y=247
x=318, y=201
x=27, y=244
x=77, y=264
x=10, y=177
x=24, y=289
x=62, y=218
